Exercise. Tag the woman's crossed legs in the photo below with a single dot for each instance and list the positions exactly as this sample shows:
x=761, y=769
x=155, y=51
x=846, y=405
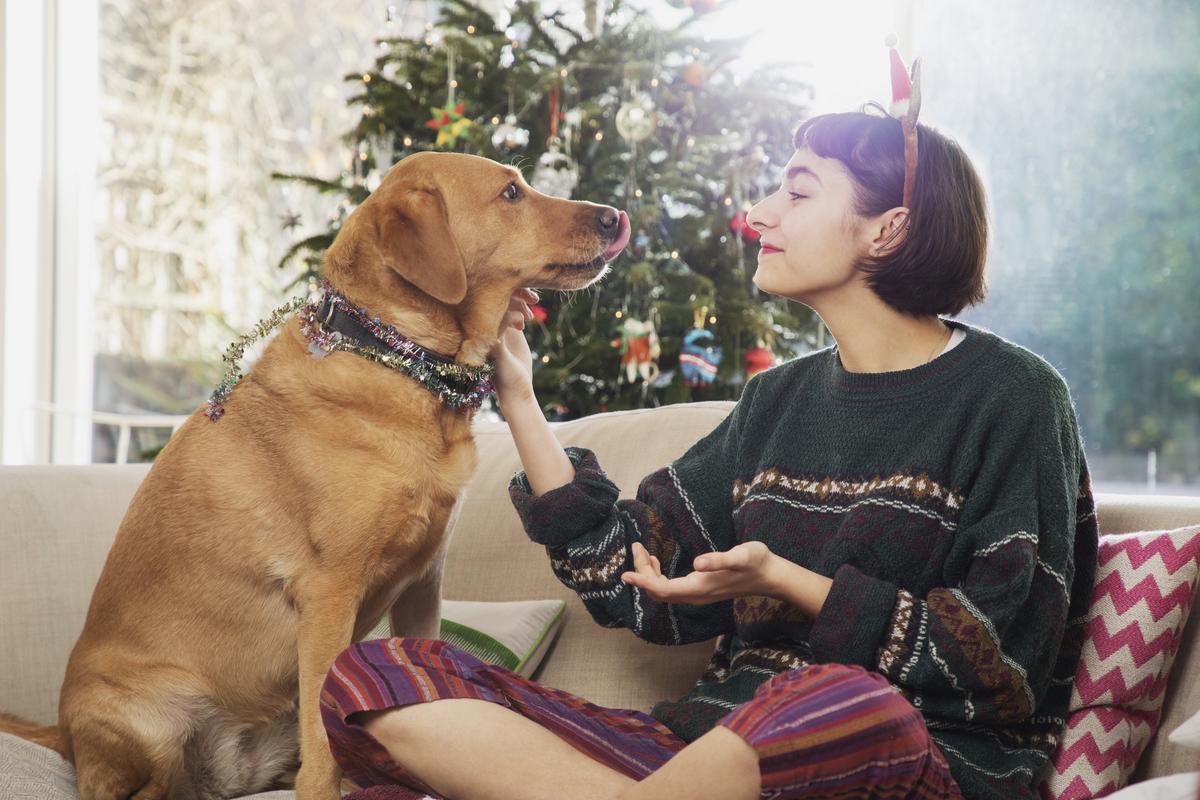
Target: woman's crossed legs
x=825, y=730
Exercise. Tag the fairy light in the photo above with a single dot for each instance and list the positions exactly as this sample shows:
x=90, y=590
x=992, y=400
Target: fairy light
x=545, y=359
x=471, y=29
x=366, y=77
x=675, y=254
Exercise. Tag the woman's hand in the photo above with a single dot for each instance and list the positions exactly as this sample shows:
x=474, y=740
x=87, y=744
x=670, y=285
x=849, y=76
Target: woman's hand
x=514, y=363
x=747, y=569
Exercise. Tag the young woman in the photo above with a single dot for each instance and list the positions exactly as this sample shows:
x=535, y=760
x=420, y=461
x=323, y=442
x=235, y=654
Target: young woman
x=893, y=537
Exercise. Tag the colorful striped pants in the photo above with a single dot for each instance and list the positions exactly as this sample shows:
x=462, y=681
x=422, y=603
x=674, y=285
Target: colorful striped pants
x=826, y=730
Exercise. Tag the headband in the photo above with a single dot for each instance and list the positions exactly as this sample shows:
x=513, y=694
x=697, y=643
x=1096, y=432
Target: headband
x=906, y=104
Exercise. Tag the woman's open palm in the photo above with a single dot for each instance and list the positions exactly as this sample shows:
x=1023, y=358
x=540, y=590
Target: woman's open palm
x=738, y=572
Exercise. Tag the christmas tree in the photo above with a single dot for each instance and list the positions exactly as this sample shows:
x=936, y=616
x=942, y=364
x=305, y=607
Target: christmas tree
x=622, y=112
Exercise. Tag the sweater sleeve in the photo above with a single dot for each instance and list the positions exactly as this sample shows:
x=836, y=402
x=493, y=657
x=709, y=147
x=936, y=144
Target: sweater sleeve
x=680, y=511
x=988, y=646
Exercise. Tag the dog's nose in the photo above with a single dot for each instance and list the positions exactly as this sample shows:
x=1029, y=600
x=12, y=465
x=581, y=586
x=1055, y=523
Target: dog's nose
x=607, y=219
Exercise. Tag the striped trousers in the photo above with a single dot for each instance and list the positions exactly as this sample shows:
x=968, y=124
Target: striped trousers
x=824, y=731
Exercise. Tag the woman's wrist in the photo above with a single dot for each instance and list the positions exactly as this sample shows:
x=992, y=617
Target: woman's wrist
x=796, y=585
x=546, y=464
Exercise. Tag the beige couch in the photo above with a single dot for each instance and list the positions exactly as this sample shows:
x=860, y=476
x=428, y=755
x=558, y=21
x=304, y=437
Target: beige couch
x=58, y=523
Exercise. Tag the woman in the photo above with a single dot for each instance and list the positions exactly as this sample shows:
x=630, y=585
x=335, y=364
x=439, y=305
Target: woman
x=889, y=536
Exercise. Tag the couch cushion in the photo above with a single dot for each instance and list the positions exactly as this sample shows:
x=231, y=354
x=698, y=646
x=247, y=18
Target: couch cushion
x=57, y=527
x=1145, y=585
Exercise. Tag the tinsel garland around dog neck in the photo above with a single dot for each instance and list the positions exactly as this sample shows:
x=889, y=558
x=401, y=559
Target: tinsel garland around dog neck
x=331, y=322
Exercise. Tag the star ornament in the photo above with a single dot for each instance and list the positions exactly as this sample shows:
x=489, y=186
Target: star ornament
x=449, y=123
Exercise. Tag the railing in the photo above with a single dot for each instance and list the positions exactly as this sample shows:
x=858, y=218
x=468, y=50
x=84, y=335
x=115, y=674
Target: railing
x=124, y=423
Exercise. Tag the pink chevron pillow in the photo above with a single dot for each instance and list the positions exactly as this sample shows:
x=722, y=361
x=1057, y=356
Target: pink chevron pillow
x=1144, y=588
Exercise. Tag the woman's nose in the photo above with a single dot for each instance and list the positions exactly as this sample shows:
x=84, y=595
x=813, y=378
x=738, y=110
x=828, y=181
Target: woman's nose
x=757, y=217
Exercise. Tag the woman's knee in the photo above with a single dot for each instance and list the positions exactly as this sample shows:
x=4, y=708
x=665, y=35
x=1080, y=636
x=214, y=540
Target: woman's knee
x=858, y=691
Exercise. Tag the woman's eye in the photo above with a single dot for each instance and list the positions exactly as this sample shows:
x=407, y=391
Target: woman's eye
x=512, y=192
x=796, y=196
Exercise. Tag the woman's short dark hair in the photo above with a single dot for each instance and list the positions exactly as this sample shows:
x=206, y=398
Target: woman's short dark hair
x=938, y=268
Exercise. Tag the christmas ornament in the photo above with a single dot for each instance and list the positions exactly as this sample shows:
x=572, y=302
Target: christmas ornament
x=449, y=123
x=695, y=75
x=759, y=358
x=291, y=221
x=743, y=228
x=636, y=119
x=539, y=313
x=641, y=242
x=699, y=357
x=640, y=349
x=556, y=174
x=508, y=136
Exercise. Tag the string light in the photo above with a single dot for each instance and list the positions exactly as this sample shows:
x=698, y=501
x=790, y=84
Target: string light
x=366, y=77
x=675, y=254
x=471, y=29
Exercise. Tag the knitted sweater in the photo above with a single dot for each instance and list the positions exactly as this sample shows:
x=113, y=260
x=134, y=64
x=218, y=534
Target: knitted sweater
x=950, y=504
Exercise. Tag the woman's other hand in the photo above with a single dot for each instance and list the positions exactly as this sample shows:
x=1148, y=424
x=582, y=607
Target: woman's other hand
x=748, y=569
x=744, y=570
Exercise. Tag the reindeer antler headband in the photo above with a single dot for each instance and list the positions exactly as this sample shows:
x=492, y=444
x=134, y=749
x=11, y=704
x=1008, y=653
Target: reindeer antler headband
x=906, y=105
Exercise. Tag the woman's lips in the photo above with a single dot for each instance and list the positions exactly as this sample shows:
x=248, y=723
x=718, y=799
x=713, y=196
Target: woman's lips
x=766, y=248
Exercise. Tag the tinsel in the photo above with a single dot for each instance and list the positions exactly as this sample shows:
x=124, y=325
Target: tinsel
x=456, y=385
x=233, y=355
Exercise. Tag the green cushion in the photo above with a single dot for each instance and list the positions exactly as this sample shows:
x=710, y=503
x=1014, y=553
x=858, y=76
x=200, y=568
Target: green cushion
x=514, y=635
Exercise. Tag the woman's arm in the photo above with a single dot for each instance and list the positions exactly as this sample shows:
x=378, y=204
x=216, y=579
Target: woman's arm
x=567, y=503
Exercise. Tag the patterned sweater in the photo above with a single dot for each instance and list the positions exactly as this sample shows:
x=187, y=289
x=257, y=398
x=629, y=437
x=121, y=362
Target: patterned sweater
x=950, y=504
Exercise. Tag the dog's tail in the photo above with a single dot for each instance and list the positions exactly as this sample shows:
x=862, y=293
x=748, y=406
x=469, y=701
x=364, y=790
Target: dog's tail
x=45, y=735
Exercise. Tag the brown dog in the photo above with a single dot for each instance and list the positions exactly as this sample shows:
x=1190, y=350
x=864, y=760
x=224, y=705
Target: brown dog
x=260, y=546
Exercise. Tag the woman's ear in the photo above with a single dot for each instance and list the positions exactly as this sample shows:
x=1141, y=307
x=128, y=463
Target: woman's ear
x=890, y=232
x=413, y=236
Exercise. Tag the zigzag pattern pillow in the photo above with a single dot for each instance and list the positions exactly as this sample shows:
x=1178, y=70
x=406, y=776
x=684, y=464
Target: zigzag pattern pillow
x=1144, y=588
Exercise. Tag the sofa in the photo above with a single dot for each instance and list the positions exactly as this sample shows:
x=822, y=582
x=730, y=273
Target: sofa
x=59, y=522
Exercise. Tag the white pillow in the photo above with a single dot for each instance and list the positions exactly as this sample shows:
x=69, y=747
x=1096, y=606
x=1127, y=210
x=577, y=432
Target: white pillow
x=514, y=635
x=1188, y=734
x=1184, y=786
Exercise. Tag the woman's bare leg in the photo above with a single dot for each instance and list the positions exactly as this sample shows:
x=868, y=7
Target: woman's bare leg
x=720, y=761
x=471, y=749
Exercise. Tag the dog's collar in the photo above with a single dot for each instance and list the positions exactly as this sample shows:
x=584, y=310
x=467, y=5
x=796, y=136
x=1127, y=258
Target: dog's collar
x=333, y=323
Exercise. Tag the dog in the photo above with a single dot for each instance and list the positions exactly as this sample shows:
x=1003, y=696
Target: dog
x=263, y=543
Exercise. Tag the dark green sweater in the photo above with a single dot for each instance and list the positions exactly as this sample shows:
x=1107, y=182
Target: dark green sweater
x=950, y=504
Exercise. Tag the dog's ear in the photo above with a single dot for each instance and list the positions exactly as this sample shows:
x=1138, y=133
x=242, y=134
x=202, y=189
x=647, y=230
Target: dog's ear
x=415, y=240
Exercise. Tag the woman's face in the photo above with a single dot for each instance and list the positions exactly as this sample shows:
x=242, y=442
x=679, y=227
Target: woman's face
x=810, y=233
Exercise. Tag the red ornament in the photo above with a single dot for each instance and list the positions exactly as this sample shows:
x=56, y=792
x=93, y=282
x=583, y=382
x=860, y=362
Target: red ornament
x=757, y=360
x=539, y=313
x=742, y=228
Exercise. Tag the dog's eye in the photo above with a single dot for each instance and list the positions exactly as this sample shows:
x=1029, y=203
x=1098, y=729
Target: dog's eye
x=511, y=192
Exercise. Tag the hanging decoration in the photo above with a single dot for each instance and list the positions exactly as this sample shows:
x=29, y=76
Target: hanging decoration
x=556, y=173
x=699, y=356
x=449, y=121
x=640, y=350
x=740, y=226
x=509, y=136
x=637, y=119
x=759, y=358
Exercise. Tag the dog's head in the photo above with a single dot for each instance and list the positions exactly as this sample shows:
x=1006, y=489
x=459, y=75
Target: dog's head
x=446, y=222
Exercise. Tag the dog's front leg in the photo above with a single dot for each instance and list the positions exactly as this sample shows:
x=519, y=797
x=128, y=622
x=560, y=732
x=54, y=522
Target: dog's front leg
x=325, y=628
